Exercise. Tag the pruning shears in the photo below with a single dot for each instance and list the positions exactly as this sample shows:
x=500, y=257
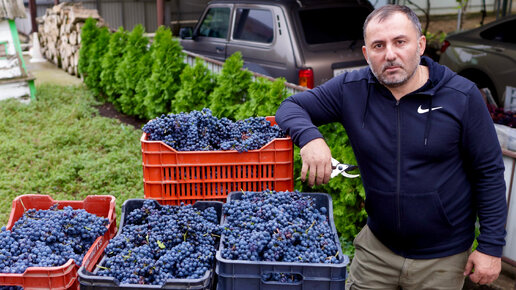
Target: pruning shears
x=342, y=168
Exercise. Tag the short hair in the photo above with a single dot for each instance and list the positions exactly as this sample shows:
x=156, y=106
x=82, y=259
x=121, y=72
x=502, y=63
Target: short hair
x=386, y=11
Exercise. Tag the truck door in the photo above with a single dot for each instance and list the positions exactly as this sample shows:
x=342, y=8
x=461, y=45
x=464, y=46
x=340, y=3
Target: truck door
x=262, y=40
x=211, y=33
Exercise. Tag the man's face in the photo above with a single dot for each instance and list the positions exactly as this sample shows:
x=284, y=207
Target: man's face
x=393, y=49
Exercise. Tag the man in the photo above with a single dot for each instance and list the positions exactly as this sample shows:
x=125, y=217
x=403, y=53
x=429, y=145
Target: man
x=428, y=155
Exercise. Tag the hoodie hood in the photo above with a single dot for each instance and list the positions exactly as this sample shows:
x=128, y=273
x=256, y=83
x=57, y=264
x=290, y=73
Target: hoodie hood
x=438, y=75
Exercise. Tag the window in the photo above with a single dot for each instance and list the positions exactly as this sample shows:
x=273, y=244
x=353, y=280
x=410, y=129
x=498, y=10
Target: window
x=254, y=25
x=503, y=32
x=215, y=23
x=332, y=24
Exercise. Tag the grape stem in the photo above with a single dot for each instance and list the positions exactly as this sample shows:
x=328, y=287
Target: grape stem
x=306, y=232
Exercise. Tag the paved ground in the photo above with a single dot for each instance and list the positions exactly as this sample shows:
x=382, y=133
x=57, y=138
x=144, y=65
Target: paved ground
x=47, y=72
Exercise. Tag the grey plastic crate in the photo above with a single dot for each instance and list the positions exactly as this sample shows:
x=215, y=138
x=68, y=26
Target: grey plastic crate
x=239, y=274
x=89, y=280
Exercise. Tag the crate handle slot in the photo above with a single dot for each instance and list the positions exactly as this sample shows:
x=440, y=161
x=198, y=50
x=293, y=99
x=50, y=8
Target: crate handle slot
x=282, y=278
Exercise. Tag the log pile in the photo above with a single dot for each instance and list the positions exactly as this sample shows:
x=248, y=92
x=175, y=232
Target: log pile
x=60, y=33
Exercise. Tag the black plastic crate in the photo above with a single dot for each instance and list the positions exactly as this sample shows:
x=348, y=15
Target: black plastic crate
x=89, y=280
x=240, y=274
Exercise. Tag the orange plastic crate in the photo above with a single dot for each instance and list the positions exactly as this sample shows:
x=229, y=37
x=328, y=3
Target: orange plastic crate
x=65, y=276
x=172, y=177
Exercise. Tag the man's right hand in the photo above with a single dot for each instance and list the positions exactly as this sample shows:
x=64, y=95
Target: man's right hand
x=316, y=156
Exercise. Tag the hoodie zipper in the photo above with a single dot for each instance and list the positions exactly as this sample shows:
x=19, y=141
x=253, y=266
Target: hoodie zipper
x=398, y=170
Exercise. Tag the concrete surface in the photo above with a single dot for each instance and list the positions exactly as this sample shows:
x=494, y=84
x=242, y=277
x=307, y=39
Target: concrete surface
x=47, y=72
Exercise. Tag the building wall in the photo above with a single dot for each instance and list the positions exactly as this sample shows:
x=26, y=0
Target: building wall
x=443, y=7
x=181, y=13
x=129, y=13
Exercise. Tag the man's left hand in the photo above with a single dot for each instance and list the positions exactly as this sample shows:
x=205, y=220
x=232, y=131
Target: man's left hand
x=482, y=268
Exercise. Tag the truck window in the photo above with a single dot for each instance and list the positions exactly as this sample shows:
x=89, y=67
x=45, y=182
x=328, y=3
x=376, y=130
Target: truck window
x=253, y=25
x=503, y=32
x=215, y=23
x=332, y=24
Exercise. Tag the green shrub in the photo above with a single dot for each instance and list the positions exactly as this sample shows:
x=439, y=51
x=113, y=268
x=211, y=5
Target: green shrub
x=231, y=89
x=89, y=33
x=110, y=62
x=127, y=74
x=276, y=95
x=164, y=81
x=264, y=98
x=94, y=69
x=144, y=69
x=197, y=83
x=257, y=92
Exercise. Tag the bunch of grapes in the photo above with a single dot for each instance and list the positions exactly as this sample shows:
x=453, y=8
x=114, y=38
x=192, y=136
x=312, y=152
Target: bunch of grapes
x=278, y=226
x=201, y=131
x=500, y=116
x=49, y=238
x=157, y=243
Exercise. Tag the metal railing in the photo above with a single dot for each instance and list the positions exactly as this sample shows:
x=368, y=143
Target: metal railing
x=216, y=66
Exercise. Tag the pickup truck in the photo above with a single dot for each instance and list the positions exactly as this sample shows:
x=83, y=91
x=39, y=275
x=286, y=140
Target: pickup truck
x=306, y=41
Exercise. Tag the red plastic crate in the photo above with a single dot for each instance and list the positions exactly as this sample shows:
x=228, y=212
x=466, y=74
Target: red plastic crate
x=65, y=276
x=172, y=177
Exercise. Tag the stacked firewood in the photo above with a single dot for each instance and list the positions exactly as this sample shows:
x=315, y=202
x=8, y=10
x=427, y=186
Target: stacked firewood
x=60, y=33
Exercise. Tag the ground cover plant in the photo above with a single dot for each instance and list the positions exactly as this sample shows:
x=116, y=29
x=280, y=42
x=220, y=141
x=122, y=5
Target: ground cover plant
x=60, y=146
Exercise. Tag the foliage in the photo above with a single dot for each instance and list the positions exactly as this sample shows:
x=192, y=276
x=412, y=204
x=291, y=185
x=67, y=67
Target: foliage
x=477, y=233
x=232, y=86
x=264, y=98
x=258, y=91
x=197, y=83
x=144, y=69
x=433, y=44
x=110, y=62
x=89, y=35
x=73, y=153
x=127, y=74
x=435, y=37
x=164, y=81
x=97, y=52
x=276, y=95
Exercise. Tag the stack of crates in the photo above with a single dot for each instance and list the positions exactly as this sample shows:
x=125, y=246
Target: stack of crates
x=203, y=179
x=172, y=177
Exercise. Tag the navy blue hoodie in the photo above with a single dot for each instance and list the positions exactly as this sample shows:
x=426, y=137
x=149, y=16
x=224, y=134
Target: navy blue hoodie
x=427, y=173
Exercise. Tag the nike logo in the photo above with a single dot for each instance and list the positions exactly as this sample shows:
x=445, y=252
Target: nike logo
x=422, y=111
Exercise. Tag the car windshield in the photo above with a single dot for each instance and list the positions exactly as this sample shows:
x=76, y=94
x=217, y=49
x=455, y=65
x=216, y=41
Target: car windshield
x=333, y=24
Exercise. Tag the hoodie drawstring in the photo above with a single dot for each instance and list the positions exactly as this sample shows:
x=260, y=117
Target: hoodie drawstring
x=428, y=121
x=366, y=105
